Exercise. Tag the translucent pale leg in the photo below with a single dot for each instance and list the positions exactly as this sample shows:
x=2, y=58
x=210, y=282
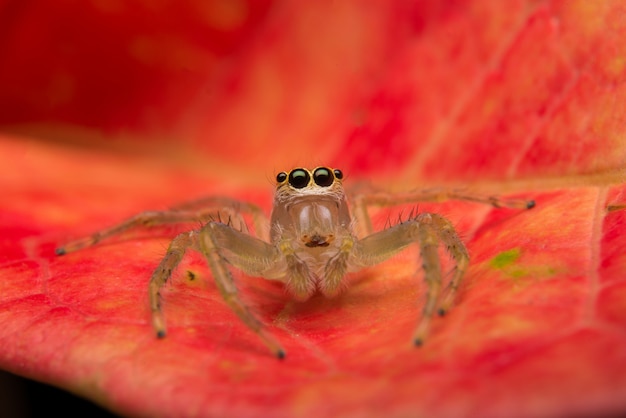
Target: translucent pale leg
x=361, y=202
x=613, y=207
x=427, y=230
x=337, y=267
x=195, y=211
x=163, y=272
x=220, y=243
x=233, y=207
x=251, y=255
x=246, y=252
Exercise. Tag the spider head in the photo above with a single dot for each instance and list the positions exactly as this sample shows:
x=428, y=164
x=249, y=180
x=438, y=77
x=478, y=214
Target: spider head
x=309, y=206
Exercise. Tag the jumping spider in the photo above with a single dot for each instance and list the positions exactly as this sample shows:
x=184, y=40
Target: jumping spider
x=312, y=244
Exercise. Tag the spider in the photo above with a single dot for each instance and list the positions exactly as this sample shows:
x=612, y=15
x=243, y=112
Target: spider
x=312, y=243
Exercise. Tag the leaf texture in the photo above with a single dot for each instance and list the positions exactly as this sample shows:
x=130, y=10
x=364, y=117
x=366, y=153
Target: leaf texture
x=523, y=99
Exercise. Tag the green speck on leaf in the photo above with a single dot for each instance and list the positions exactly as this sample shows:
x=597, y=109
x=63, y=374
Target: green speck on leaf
x=508, y=263
x=505, y=258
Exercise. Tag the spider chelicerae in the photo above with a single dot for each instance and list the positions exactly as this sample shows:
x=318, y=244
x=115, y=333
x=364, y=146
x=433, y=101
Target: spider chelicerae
x=312, y=243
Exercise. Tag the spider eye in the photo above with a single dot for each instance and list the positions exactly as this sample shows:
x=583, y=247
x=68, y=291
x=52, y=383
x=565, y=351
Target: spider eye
x=323, y=177
x=280, y=177
x=299, y=178
x=338, y=174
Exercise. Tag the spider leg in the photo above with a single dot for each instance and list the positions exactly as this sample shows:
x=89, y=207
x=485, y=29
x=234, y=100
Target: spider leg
x=163, y=272
x=235, y=206
x=613, y=207
x=428, y=242
x=220, y=244
x=143, y=220
x=427, y=230
x=439, y=229
x=337, y=267
x=364, y=199
x=196, y=211
x=457, y=250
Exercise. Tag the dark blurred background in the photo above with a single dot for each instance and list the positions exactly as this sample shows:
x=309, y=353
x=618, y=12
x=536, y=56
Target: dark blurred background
x=25, y=398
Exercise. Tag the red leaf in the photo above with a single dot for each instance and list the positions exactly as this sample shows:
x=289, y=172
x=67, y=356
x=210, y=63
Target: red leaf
x=520, y=98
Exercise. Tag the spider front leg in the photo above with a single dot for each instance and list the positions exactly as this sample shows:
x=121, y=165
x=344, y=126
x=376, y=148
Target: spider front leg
x=220, y=243
x=428, y=230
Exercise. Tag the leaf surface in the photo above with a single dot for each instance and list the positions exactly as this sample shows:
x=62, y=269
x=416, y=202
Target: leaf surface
x=520, y=99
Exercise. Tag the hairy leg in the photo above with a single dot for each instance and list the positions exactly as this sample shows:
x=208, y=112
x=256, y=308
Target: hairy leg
x=163, y=272
x=427, y=230
x=233, y=207
x=220, y=243
x=364, y=199
x=200, y=211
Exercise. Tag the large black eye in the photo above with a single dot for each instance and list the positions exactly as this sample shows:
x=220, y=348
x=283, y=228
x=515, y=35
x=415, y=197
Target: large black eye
x=280, y=177
x=338, y=174
x=323, y=177
x=299, y=178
